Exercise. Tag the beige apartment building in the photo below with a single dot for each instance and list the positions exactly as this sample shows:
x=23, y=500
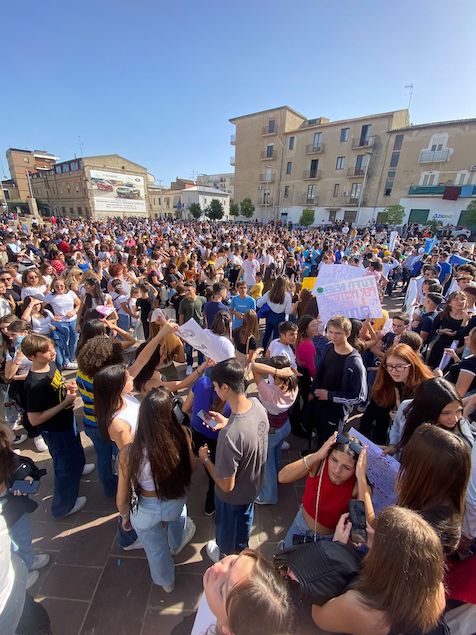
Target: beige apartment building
x=93, y=187
x=224, y=182
x=349, y=169
x=21, y=164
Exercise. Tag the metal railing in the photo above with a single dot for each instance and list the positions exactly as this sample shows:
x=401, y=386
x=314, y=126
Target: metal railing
x=310, y=200
x=265, y=155
x=314, y=175
x=368, y=142
x=355, y=172
x=265, y=177
x=434, y=156
x=268, y=203
x=313, y=148
x=232, y=160
x=268, y=130
x=233, y=139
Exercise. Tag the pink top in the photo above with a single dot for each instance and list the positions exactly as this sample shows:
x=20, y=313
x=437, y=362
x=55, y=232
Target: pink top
x=274, y=399
x=306, y=356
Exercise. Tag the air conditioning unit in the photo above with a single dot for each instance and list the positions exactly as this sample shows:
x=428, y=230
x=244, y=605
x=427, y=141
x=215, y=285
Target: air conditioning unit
x=472, y=168
x=260, y=187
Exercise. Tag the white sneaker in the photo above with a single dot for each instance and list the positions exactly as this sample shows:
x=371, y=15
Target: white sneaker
x=40, y=561
x=189, y=370
x=20, y=438
x=71, y=366
x=188, y=534
x=79, y=504
x=213, y=551
x=285, y=445
x=31, y=579
x=40, y=444
x=87, y=469
x=135, y=545
x=168, y=589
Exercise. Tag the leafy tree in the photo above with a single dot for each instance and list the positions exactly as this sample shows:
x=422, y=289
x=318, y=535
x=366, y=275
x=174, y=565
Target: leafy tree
x=393, y=215
x=195, y=210
x=470, y=216
x=234, y=209
x=307, y=217
x=215, y=210
x=247, y=208
x=434, y=225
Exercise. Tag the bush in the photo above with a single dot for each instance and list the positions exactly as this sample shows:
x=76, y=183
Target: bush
x=247, y=208
x=393, y=215
x=307, y=217
x=215, y=210
x=195, y=210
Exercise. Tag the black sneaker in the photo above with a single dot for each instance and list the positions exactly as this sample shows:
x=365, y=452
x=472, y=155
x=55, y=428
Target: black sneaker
x=209, y=507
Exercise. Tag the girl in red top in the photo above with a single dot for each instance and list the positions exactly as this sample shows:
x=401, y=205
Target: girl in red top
x=335, y=474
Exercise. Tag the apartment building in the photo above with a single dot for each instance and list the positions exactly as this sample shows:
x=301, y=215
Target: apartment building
x=22, y=163
x=174, y=203
x=224, y=182
x=93, y=187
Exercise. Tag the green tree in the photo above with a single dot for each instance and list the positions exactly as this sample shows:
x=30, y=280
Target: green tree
x=247, y=208
x=307, y=217
x=195, y=210
x=215, y=210
x=234, y=209
x=470, y=216
x=434, y=225
x=393, y=215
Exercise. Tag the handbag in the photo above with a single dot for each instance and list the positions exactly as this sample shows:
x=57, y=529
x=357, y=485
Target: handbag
x=263, y=311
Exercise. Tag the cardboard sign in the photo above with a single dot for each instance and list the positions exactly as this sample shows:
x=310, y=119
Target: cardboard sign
x=357, y=298
x=335, y=273
x=308, y=283
x=193, y=334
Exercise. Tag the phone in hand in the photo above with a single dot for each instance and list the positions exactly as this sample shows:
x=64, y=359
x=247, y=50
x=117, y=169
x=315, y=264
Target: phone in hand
x=205, y=417
x=25, y=487
x=358, y=533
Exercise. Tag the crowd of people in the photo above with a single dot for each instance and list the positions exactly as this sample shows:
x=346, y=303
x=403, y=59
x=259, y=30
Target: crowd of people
x=90, y=318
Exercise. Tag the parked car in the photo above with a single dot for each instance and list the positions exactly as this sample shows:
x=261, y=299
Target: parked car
x=460, y=232
x=105, y=186
x=127, y=191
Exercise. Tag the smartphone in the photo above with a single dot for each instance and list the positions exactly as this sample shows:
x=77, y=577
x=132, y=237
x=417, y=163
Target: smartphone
x=179, y=415
x=205, y=417
x=358, y=533
x=25, y=487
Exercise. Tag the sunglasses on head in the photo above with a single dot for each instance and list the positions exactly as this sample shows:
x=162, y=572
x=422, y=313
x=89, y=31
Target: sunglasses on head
x=343, y=440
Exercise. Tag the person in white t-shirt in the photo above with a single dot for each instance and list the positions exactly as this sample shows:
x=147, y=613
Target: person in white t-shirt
x=249, y=268
x=65, y=305
x=283, y=345
x=220, y=334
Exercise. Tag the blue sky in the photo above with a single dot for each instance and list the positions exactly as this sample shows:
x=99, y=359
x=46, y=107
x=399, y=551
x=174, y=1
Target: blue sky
x=157, y=81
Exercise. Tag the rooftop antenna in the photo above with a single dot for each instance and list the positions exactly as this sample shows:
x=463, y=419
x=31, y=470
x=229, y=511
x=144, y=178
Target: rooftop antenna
x=81, y=146
x=410, y=88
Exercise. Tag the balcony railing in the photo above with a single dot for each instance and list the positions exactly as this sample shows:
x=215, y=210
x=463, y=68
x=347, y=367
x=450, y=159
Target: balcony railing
x=268, y=203
x=269, y=130
x=314, y=148
x=368, y=142
x=268, y=156
x=265, y=177
x=232, y=160
x=313, y=175
x=354, y=173
x=233, y=139
x=310, y=200
x=434, y=156
x=351, y=200
x=426, y=190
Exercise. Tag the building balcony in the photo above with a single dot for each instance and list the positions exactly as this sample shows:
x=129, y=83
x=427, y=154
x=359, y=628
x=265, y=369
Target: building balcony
x=266, y=131
x=309, y=200
x=268, y=203
x=355, y=173
x=311, y=175
x=268, y=156
x=232, y=160
x=350, y=200
x=233, y=139
x=358, y=143
x=315, y=148
x=434, y=156
x=265, y=177
x=426, y=190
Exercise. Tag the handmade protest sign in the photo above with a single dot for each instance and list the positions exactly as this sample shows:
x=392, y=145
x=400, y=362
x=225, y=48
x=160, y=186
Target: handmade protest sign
x=193, y=334
x=382, y=471
x=357, y=298
x=336, y=273
x=308, y=283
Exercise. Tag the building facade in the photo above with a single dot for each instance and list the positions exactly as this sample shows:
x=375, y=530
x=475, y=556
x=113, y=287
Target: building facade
x=224, y=182
x=351, y=169
x=93, y=187
x=22, y=164
x=174, y=203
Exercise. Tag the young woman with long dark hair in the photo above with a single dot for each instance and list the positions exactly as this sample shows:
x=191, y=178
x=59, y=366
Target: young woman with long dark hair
x=93, y=296
x=158, y=466
x=448, y=326
x=279, y=301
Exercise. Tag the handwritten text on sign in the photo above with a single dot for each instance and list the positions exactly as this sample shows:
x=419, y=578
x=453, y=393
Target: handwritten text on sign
x=356, y=298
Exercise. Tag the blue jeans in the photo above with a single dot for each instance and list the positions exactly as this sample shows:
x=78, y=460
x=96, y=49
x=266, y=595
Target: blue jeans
x=21, y=538
x=148, y=521
x=68, y=462
x=233, y=525
x=189, y=355
x=68, y=353
x=105, y=452
x=269, y=491
x=299, y=527
x=271, y=331
x=12, y=611
x=124, y=322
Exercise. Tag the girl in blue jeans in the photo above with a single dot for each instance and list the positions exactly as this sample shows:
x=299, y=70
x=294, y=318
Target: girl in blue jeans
x=279, y=301
x=157, y=468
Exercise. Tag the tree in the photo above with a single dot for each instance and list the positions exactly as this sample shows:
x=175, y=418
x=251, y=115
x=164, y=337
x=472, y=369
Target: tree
x=247, y=208
x=195, y=210
x=234, y=209
x=393, y=215
x=470, y=215
x=215, y=210
x=307, y=217
x=434, y=225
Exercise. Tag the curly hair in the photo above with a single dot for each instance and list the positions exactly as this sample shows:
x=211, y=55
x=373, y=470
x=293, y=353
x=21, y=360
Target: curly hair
x=99, y=352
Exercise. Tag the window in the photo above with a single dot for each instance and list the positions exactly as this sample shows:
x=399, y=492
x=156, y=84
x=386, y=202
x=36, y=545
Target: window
x=344, y=134
x=316, y=142
x=266, y=198
x=71, y=210
x=65, y=168
x=365, y=134
x=58, y=169
x=429, y=178
x=461, y=178
x=340, y=163
x=272, y=125
x=269, y=150
x=394, y=159
x=68, y=188
x=291, y=143
x=355, y=190
x=289, y=167
x=6, y=194
x=311, y=193
x=77, y=187
x=336, y=190
x=389, y=182
x=74, y=166
x=313, y=169
x=398, y=142
x=80, y=210
x=286, y=191
x=63, y=209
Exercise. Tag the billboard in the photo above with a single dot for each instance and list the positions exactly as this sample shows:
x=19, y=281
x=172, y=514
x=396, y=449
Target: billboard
x=118, y=192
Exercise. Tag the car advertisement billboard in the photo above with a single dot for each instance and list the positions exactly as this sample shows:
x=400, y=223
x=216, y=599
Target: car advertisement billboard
x=118, y=192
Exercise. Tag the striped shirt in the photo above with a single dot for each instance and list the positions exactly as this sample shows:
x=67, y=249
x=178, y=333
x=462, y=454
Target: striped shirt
x=85, y=387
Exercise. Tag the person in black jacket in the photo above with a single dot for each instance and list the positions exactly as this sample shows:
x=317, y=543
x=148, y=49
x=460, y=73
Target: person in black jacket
x=340, y=382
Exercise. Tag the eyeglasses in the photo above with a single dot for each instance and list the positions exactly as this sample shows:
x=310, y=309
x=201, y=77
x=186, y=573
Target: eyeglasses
x=343, y=440
x=397, y=367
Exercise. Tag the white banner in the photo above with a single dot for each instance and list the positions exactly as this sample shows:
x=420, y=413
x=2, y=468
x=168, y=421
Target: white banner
x=357, y=298
x=392, y=241
x=117, y=192
x=329, y=274
x=193, y=334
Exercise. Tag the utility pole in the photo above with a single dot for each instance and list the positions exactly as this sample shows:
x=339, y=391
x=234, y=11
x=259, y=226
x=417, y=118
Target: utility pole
x=410, y=88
